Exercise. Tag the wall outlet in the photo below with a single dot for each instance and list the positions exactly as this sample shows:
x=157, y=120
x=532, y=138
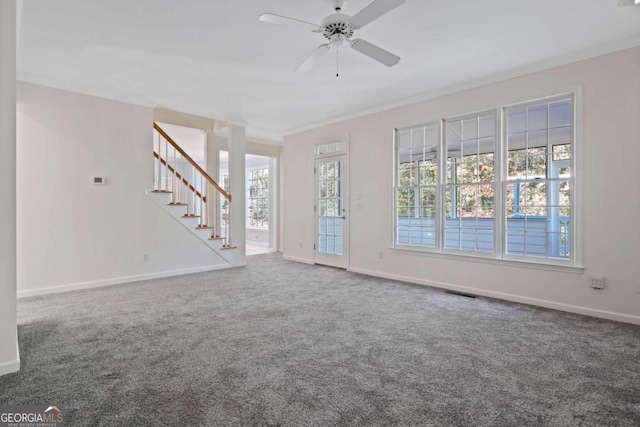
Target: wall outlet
x=300, y=244
x=145, y=256
x=381, y=255
x=597, y=282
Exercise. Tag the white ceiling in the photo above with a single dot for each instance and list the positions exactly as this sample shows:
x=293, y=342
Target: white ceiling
x=214, y=58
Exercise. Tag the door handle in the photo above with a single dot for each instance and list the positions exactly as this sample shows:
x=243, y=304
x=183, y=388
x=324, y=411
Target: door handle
x=343, y=217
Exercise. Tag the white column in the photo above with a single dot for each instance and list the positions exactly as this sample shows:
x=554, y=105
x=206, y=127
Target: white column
x=237, y=185
x=213, y=169
x=9, y=356
x=273, y=204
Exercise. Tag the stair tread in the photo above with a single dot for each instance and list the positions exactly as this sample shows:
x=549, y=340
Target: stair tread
x=234, y=258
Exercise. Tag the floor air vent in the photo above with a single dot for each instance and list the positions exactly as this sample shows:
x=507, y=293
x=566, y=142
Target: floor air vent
x=460, y=294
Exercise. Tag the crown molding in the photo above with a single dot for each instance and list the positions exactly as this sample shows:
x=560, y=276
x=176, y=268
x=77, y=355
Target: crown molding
x=557, y=61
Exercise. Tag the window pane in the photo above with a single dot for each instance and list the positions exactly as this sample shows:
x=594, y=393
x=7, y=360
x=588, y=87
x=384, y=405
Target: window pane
x=338, y=247
x=536, y=163
x=537, y=138
x=564, y=193
x=450, y=201
x=560, y=113
x=537, y=117
x=258, y=197
x=561, y=152
x=467, y=169
x=406, y=200
x=323, y=189
x=538, y=205
x=487, y=126
x=516, y=120
x=517, y=163
x=515, y=240
x=485, y=201
x=428, y=173
x=428, y=202
x=470, y=129
x=560, y=135
x=417, y=139
x=535, y=243
x=454, y=131
x=405, y=174
x=417, y=177
x=535, y=194
x=467, y=197
x=517, y=141
x=469, y=204
x=331, y=227
x=404, y=156
x=485, y=218
x=486, y=171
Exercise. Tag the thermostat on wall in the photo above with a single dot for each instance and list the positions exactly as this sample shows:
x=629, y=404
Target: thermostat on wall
x=99, y=180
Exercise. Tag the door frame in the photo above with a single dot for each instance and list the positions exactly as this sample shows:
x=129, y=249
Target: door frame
x=343, y=156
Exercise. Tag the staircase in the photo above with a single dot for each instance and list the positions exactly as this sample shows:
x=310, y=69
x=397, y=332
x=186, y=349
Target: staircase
x=185, y=191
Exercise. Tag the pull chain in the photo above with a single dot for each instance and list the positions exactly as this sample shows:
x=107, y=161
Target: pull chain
x=337, y=61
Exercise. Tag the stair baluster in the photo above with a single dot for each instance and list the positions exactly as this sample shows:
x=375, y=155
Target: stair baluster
x=189, y=185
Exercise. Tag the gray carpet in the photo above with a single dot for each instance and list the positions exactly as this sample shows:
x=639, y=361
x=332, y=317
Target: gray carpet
x=281, y=343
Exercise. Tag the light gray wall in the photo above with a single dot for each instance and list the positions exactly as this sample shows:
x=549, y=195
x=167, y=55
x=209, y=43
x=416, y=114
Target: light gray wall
x=73, y=233
x=610, y=107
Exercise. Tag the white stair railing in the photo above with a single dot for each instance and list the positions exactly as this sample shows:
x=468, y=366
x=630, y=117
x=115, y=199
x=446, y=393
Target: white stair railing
x=177, y=174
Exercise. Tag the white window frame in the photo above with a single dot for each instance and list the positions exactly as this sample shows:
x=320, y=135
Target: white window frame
x=443, y=182
x=499, y=256
x=573, y=259
x=428, y=124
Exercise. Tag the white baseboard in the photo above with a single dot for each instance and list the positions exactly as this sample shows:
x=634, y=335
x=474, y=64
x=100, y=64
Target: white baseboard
x=302, y=260
x=603, y=314
x=117, y=281
x=11, y=366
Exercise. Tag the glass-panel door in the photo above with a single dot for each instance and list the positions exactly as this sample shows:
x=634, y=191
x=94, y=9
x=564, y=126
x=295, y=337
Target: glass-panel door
x=331, y=211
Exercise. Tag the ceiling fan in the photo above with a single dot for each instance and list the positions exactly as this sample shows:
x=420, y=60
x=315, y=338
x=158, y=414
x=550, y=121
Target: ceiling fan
x=339, y=28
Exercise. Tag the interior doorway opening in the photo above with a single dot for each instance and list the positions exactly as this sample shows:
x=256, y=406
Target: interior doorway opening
x=260, y=172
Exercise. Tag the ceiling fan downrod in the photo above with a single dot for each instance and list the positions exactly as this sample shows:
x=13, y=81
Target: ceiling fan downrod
x=338, y=28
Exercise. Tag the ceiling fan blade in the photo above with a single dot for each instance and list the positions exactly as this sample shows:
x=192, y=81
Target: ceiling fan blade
x=375, y=52
x=374, y=11
x=283, y=20
x=311, y=60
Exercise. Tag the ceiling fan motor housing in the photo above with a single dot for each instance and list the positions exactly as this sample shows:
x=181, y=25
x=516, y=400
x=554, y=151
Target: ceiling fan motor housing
x=337, y=26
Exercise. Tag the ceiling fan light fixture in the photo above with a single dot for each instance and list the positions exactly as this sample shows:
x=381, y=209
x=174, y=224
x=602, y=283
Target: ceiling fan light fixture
x=338, y=28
